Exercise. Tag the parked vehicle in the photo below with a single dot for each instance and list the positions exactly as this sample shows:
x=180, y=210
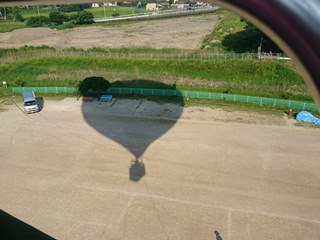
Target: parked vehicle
x=30, y=102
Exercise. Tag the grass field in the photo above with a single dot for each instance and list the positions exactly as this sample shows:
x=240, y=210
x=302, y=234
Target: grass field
x=10, y=26
x=97, y=12
x=229, y=24
x=246, y=77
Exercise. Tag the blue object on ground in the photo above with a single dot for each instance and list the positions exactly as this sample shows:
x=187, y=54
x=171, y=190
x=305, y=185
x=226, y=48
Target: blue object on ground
x=105, y=98
x=305, y=116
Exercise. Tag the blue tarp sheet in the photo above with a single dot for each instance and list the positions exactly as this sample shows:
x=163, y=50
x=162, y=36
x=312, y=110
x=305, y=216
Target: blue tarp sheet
x=305, y=116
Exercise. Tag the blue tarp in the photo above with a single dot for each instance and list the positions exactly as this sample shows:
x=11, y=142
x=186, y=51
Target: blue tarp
x=305, y=116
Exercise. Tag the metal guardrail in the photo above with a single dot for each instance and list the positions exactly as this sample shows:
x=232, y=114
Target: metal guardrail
x=159, y=14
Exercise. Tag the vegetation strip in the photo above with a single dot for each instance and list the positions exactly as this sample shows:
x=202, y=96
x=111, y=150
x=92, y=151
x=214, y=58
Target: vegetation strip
x=271, y=79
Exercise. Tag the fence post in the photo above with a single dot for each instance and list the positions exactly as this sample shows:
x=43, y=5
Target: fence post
x=56, y=90
x=274, y=103
x=304, y=106
x=221, y=96
x=247, y=99
x=289, y=105
x=260, y=101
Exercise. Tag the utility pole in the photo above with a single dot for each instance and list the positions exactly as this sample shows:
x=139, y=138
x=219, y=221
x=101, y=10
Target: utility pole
x=259, y=49
x=104, y=10
x=38, y=11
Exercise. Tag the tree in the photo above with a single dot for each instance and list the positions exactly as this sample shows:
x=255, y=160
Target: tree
x=58, y=18
x=40, y=21
x=83, y=17
x=268, y=44
x=93, y=86
x=74, y=7
x=17, y=15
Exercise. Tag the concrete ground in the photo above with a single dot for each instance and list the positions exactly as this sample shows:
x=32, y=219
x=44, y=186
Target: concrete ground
x=67, y=171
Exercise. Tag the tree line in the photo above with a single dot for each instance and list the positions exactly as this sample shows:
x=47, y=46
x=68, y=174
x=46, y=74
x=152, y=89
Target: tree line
x=59, y=18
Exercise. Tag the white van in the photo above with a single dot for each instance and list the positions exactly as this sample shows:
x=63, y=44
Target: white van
x=29, y=101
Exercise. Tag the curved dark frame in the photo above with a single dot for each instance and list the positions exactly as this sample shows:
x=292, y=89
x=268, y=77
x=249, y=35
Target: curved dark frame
x=293, y=25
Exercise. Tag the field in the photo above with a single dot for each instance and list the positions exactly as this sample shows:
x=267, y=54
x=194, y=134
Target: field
x=186, y=33
x=269, y=79
x=139, y=169
x=246, y=77
x=69, y=172
x=97, y=12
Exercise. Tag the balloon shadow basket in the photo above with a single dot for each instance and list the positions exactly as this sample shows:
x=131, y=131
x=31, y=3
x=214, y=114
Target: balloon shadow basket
x=137, y=170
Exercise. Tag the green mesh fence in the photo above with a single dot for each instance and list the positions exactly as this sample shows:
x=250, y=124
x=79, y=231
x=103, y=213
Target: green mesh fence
x=187, y=94
x=217, y=96
x=44, y=89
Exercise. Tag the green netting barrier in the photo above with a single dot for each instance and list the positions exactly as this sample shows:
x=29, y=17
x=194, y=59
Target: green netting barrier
x=187, y=94
x=44, y=89
x=217, y=96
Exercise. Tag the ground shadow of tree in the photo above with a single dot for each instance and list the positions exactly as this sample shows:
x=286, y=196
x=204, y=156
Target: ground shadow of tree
x=248, y=41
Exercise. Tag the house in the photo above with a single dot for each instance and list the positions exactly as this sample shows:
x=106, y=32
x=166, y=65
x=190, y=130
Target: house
x=181, y=4
x=164, y=5
x=110, y=4
x=152, y=5
x=95, y=5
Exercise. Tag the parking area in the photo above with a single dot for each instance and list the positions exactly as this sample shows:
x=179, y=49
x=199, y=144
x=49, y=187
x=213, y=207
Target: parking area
x=67, y=171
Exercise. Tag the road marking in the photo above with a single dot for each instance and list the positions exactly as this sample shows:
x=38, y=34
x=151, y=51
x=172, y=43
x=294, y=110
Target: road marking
x=271, y=215
x=125, y=210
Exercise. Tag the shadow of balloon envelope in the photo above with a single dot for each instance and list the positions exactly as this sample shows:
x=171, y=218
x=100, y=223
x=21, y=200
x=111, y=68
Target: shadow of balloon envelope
x=135, y=122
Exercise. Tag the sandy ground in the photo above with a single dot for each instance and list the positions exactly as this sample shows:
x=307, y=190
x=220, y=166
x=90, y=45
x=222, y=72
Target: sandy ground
x=68, y=172
x=183, y=33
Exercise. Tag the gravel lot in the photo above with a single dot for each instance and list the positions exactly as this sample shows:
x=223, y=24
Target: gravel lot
x=69, y=172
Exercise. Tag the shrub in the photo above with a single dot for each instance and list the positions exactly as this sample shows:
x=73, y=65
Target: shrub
x=40, y=21
x=115, y=15
x=64, y=26
x=82, y=18
x=74, y=7
x=93, y=86
x=18, y=17
x=58, y=18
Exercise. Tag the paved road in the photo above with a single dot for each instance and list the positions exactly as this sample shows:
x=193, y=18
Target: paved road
x=160, y=14
x=203, y=180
